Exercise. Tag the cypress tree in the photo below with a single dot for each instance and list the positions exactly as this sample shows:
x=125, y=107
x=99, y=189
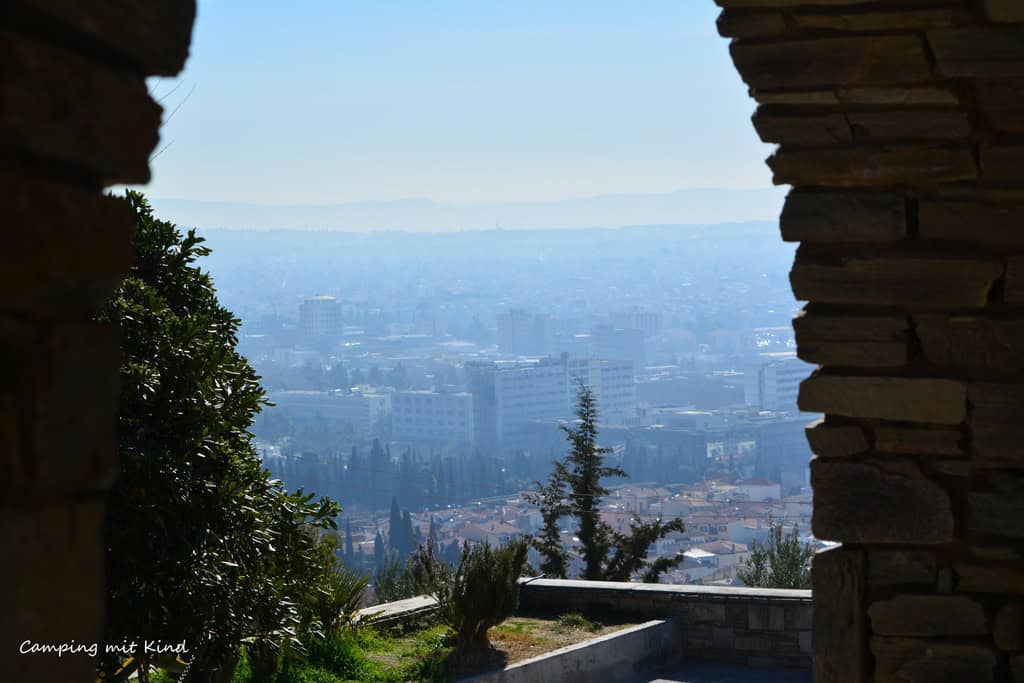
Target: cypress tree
x=395, y=527
x=349, y=553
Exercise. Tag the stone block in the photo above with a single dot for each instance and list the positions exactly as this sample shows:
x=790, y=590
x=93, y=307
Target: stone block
x=723, y=637
x=837, y=217
x=1004, y=10
x=753, y=643
x=971, y=345
x=856, y=22
x=855, y=60
x=928, y=616
x=929, y=124
x=761, y=4
x=37, y=279
x=919, y=440
x=1003, y=163
x=967, y=221
x=750, y=24
x=53, y=578
x=874, y=502
x=836, y=441
x=839, y=640
x=911, y=660
x=855, y=354
x=897, y=96
x=978, y=51
x=153, y=36
x=896, y=567
x=984, y=578
x=997, y=430
x=800, y=618
x=766, y=618
x=75, y=393
x=850, y=327
x=996, y=506
x=14, y=457
x=938, y=401
x=59, y=106
x=1002, y=103
x=804, y=130
x=874, y=165
x=799, y=98
x=1013, y=286
x=920, y=282
x=705, y=611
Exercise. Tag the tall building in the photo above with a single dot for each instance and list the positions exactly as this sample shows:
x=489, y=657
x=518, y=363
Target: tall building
x=320, y=319
x=613, y=383
x=527, y=392
x=432, y=417
x=617, y=343
x=773, y=383
x=362, y=410
x=524, y=334
x=512, y=398
x=636, y=318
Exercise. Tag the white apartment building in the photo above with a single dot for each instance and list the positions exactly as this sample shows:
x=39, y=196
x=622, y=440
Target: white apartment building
x=362, y=409
x=432, y=417
x=320, y=316
x=773, y=384
x=527, y=392
x=613, y=383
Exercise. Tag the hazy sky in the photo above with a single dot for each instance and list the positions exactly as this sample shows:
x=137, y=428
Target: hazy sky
x=324, y=101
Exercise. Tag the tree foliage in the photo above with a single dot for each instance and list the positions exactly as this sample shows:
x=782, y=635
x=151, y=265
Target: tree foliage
x=574, y=489
x=201, y=544
x=784, y=562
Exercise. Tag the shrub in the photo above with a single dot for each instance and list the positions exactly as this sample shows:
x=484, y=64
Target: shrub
x=576, y=622
x=481, y=592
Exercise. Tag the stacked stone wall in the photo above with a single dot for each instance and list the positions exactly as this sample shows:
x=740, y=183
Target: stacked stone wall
x=75, y=117
x=746, y=626
x=900, y=127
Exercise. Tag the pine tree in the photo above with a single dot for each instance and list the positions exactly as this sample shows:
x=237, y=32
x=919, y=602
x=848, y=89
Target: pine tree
x=550, y=498
x=607, y=554
x=583, y=471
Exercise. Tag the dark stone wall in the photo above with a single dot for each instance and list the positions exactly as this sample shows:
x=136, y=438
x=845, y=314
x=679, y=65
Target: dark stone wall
x=75, y=117
x=746, y=626
x=900, y=127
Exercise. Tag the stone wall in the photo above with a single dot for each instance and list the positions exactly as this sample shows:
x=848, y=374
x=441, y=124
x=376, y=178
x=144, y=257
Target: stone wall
x=900, y=127
x=747, y=626
x=75, y=116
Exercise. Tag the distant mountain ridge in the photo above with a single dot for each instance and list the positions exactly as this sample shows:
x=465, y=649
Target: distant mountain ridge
x=691, y=206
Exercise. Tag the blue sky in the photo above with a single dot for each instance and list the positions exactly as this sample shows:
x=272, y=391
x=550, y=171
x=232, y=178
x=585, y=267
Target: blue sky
x=320, y=101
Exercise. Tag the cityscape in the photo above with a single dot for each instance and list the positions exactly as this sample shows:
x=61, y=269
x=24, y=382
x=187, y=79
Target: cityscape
x=439, y=386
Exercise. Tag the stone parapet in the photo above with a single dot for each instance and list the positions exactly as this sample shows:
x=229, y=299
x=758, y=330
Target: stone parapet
x=900, y=127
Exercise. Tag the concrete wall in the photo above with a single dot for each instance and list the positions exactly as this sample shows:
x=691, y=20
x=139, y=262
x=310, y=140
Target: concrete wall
x=750, y=626
x=619, y=657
